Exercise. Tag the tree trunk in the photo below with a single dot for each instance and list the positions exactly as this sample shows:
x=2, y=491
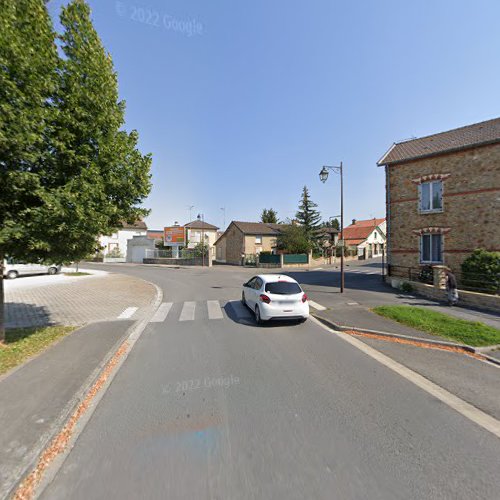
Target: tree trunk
x=2, y=315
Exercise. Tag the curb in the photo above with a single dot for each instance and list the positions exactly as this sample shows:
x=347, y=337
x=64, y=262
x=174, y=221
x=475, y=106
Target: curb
x=125, y=343
x=442, y=343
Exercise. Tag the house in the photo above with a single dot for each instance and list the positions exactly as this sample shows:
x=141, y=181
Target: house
x=366, y=238
x=443, y=196
x=115, y=245
x=329, y=237
x=246, y=238
x=198, y=229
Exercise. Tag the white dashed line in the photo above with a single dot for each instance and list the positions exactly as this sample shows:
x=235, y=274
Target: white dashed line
x=214, y=310
x=161, y=313
x=187, y=313
x=128, y=313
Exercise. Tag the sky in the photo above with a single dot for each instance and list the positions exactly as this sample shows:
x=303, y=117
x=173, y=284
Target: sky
x=241, y=103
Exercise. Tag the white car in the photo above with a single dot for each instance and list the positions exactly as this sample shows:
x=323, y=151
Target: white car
x=275, y=296
x=13, y=268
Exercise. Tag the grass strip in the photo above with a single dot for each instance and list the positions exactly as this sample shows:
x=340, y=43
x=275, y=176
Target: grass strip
x=23, y=343
x=76, y=273
x=473, y=333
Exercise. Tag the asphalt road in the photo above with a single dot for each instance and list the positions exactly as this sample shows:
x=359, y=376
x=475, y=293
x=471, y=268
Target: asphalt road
x=220, y=408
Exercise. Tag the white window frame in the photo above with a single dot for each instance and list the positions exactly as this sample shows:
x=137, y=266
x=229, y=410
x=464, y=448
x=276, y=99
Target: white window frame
x=421, y=256
x=431, y=210
x=258, y=240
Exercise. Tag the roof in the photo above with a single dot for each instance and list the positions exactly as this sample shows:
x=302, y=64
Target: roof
x=328, y=230
x=258, y=228
x=138, y=224
x=358, y=232
x=155, y=234
x=478, y=134
x=198, y=224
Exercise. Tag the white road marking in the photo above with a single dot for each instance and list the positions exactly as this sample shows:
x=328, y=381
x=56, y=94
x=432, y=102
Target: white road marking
x=187, y=313
x=161, y=313
x=214, y=310
x=128, y=313
x=353, y=303
x=465, y=409
x=317, y=306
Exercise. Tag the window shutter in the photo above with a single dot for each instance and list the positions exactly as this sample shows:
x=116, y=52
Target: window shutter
x=420, y=203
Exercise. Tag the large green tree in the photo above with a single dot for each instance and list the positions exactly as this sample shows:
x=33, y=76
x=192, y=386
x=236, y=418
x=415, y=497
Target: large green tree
x=308, y=217
x=72, y=172
x=269, y=216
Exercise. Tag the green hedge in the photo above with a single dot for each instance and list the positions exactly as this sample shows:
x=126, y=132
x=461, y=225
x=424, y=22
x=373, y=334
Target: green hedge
x=481, y=271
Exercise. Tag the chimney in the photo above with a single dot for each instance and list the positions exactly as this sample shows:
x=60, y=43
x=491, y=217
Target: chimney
x=353, y=222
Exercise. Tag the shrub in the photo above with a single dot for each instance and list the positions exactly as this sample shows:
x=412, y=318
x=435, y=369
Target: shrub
x=481, y=271
x=426, y=275
x=406, y=287
x=115, y=253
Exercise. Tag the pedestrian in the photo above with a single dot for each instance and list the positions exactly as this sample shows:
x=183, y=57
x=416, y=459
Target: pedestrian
x=451, y=287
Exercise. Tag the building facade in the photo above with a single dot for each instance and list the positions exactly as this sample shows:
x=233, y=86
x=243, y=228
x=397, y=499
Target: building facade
x=366, y=238
x=198, y=230
x=115, y=244
x=443, y=196
x=245, y=238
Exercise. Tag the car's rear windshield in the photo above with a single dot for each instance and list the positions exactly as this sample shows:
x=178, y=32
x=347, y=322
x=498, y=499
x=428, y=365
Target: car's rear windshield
x=283, y=288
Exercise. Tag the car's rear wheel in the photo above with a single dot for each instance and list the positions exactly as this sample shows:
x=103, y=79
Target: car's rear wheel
x=52, y=270
x=257, y=316
x=12, y=275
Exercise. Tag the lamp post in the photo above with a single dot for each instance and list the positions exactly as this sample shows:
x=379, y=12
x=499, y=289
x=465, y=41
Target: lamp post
x=323, y=176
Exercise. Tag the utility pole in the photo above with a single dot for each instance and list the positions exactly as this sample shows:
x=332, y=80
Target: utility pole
x=224, y=219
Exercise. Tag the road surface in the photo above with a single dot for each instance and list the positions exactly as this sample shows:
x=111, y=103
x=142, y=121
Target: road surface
x=209, y=405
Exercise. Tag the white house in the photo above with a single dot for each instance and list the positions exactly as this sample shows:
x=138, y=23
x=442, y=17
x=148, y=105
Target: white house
x=368, y=237
x=115, y=245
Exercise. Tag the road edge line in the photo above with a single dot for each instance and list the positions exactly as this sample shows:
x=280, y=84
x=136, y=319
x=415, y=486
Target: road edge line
x=475, y=415
x=40, y=481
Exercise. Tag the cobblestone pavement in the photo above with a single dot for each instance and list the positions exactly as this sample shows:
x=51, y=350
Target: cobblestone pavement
x=77, y=302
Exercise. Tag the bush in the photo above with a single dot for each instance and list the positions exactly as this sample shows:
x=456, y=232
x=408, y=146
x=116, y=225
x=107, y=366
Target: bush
x=481, y=271
x=406, y=287
x=266, y=252
x=426, y=275
x=115, y=253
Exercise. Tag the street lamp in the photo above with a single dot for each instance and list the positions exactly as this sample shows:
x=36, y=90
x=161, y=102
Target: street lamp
x=201, y=217
x=323, y=177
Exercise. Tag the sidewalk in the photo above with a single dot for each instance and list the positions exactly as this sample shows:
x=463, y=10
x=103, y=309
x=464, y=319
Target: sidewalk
x=74, y=301
x=38, y=396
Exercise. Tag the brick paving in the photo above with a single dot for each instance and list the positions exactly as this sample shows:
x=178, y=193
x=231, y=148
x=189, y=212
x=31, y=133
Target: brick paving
x=76, y=302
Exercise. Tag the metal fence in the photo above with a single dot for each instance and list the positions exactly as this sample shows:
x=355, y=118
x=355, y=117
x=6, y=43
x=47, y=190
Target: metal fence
x=299, y=258
x=472, y=282
x=184, y=253
x=269, y=258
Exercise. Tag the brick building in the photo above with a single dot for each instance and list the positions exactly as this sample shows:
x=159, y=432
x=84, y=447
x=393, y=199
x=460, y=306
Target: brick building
x=249, y=238
x=443, y=196
x=365, y=238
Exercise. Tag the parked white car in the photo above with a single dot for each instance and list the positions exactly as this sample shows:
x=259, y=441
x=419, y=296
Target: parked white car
x=275, y=296
x=13, y=268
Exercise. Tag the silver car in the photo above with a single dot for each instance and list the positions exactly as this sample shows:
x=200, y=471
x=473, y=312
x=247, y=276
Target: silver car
x=13, y=268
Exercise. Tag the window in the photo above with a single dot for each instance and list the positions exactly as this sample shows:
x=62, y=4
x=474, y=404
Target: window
x=258, y=240
x=431, y=196
x=431, y=248
x=283, y=288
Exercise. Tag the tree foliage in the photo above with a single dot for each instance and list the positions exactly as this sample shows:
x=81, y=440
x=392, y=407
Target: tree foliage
x=294, y=239
x=269, y=216
x=333, y=223
x=68, y=170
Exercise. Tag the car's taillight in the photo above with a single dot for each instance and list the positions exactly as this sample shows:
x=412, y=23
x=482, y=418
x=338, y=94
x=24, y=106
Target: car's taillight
x=265, y=298
x=304, y=298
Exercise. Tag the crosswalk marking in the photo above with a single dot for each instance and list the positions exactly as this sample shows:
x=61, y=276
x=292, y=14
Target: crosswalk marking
x=187, y=313
x=317, y=306
x=128, y=313
x=214, y=310
x=161, y=313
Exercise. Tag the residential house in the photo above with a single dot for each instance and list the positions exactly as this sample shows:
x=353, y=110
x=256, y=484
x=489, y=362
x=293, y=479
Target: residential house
x=329, y=237
x=198, y=229
x=366, y=238
x=246, y=238
x=115, y=245
x=443, y=196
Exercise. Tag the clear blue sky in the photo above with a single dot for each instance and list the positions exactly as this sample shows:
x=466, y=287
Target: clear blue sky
x=243, y=113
